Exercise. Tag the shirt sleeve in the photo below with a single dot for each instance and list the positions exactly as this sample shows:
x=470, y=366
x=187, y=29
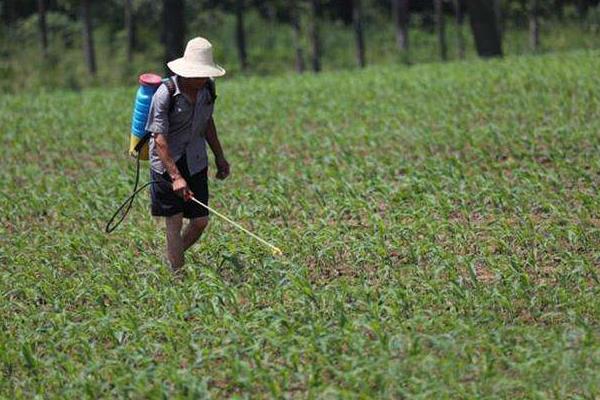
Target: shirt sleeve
x=158, y=115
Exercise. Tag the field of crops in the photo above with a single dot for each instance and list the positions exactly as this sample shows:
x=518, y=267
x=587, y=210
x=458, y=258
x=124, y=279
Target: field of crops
x=440, y=224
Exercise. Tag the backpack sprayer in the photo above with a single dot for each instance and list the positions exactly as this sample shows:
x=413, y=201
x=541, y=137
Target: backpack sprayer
x=138, y=148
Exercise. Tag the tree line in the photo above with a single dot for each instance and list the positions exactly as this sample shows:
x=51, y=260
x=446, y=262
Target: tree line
x=485, y=19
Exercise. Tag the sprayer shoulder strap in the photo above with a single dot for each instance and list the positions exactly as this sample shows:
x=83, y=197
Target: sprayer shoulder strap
x=168, y=81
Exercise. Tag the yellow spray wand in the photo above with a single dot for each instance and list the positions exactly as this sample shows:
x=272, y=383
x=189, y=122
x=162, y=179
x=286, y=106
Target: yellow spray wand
x=276, y=250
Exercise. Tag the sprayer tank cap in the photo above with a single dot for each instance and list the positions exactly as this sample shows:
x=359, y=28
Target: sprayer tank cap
x=150, y=80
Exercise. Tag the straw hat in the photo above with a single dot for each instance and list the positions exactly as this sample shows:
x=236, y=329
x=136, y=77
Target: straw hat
x=197, y=61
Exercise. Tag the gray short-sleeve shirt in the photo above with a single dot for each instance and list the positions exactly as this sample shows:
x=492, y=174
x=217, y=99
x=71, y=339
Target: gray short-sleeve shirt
x=183, y=124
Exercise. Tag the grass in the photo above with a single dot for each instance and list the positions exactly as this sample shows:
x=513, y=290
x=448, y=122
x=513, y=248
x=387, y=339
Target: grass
x=440, y=225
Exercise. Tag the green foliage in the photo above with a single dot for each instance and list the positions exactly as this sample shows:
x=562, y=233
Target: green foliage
x=440, y=226
x=270, y=45
x=58, y=24
x=594, y=19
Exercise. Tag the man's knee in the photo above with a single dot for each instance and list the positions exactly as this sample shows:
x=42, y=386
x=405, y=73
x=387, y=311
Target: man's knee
x=199, y=224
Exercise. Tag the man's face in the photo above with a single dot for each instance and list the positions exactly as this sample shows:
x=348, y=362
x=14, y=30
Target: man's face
x=194, y=83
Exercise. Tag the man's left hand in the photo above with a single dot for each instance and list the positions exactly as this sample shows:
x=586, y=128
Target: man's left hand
x=222, y=169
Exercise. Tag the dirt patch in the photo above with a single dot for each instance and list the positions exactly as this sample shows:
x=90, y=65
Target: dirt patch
x=483, y=273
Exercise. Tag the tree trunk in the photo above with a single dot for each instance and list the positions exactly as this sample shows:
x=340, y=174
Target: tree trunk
x=295, y=20
x=401, y=18
x=358, y=33
x=582, y=8
x=8, y=13
x=559, y=6
x=173, y=29
x=534, y=24
x=43, y=27
x=88, y=37
x=460, y=22
x=500, y=17
x=130, y=29
x=271, y=13
x=485, y=26
x=240, y=34
x=440, y=26
x=314, y=36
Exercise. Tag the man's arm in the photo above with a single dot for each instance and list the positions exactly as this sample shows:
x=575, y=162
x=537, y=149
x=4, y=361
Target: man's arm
x=215, y=145
x=165, y=157
x=158, y=124
x=179, y=184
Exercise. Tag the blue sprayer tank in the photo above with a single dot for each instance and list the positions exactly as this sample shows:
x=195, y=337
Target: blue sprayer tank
x=148, y=85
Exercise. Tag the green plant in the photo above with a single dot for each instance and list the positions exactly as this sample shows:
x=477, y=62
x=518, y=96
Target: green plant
x=441, y=226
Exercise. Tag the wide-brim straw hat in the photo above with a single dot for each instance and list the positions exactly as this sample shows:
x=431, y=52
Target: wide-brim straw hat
x=197, y=61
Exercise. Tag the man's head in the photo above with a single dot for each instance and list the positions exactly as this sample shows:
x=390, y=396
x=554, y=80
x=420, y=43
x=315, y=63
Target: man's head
x=197, y=62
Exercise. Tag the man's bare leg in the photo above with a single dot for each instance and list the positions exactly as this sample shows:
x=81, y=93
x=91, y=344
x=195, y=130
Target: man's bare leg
x=175, y=246
x=193, y=231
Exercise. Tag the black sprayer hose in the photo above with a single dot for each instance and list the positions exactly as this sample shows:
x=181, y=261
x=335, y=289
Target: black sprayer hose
x=126, y=206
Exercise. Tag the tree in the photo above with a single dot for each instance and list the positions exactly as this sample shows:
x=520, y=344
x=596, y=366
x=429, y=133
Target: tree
x=8, y=13
x=88, y=37
x=291, y=13
x=129, y=28
x=534, y=24
x=358, y=33
x=240, y=34
x=460, y=19
x=559, y=6
x=270, y=13
x=483, y=16
x=297, y=38
x=43, y=27
x=401, y=18
x=440, y=27
x=173, y=29
x=315, y=38
x=582, y=8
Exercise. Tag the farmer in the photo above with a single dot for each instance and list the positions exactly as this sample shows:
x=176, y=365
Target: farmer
x=181, y=123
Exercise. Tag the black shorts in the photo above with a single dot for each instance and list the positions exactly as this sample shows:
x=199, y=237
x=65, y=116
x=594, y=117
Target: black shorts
x=166, y=203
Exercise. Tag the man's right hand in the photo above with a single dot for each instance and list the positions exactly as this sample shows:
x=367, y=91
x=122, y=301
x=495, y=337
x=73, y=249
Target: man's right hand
x=180, y=187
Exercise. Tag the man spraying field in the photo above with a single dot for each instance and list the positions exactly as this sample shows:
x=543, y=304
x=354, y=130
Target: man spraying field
x=175, y=116
x=180, y=123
